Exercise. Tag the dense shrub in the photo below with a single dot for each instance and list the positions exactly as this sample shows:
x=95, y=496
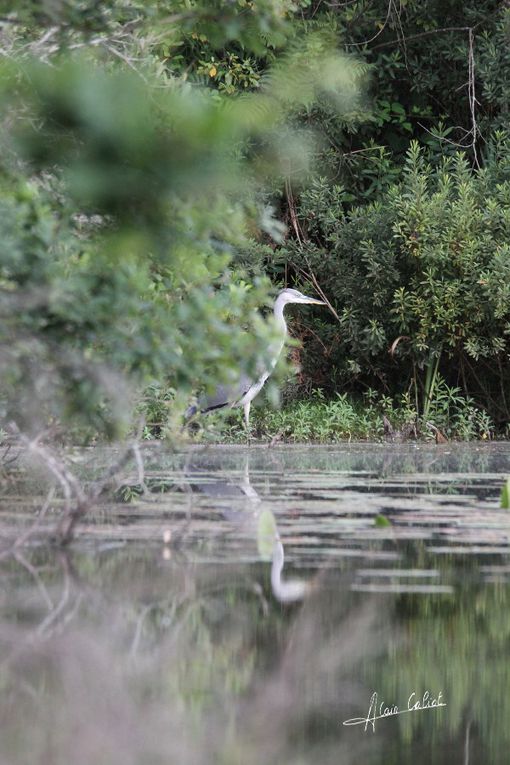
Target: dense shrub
x=122, y=197
x=146, y=180
x=420, y=281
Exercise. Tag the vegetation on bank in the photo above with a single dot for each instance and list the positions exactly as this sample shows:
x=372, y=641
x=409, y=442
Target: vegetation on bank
x=165, y=166
x=124, y=194
x=321, y=419
x=420, y=280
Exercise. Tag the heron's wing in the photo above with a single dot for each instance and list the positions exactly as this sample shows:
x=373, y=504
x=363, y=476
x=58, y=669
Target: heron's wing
x=225, y=395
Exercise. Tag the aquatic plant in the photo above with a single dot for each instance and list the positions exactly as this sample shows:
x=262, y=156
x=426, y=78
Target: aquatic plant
x=505, y=495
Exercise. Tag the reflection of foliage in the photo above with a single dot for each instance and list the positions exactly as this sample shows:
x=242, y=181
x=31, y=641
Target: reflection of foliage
x=176, y=641
x=181, y=643
x=459, y=647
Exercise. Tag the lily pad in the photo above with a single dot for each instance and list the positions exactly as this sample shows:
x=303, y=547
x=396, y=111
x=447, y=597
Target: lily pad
x=267, y=533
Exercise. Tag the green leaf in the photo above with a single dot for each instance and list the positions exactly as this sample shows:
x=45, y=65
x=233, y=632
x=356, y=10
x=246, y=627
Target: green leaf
x=505, y=495
x=381, y=521
x=267, y=533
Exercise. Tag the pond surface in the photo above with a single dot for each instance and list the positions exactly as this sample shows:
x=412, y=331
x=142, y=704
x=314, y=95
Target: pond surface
x=252, y=600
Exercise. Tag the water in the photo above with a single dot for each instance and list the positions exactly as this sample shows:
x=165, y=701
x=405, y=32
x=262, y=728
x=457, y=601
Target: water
x=248, y=604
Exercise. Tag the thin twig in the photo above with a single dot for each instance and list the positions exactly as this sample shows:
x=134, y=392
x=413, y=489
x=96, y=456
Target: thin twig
x=312, y=279
x=293, y=212
x=66, y=479
x=77, y=501
x=472, y=97
x=39, y=582
x=65, y=530
x=416, y=36
x=381, y=30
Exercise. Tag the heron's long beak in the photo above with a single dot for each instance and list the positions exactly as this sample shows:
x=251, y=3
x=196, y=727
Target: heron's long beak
x=312, y=301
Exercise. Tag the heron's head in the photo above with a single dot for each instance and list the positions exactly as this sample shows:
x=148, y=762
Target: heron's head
x=295, y=296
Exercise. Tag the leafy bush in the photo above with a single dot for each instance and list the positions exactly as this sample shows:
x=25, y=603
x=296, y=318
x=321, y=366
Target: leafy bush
x=420, y=282
x=122, y=197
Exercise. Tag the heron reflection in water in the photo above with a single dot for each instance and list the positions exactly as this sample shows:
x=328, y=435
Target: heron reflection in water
x=243, y=505
x=244, y=391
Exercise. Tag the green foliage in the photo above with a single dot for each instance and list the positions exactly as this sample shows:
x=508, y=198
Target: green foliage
x=322, y=419
x=419, y=280
x=315, y=419
x=123, y=195
x=419, y=58
x=505, y=495
x=455, y=414
x=152, y=153
x=494, y=69
x=81, y=314
x=231, y=74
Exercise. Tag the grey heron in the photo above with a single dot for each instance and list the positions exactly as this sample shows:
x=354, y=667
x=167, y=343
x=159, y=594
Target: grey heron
x=244, y=391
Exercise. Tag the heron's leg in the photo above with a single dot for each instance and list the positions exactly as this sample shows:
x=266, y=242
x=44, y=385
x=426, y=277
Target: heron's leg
x=246, y=407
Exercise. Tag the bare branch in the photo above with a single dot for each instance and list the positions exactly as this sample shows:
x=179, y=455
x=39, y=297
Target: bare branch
x=312, y=279
x=77, y=501
x=381, y=30
x=416, y=36
x=140, y=466
x=472, y=98
x=25, y=536
x=293, y=212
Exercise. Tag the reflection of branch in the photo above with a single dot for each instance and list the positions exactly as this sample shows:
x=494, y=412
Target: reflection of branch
x=77, y=502
x=139, y=628
x=56, y=618
x=55, y=613
x=25, y=535
x=37, y=578
x=65, y=531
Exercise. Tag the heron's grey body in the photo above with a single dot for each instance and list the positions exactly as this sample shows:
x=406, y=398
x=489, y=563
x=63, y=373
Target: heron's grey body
x=244, y=391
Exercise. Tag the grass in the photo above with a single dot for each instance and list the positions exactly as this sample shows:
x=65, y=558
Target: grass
x=319, y=419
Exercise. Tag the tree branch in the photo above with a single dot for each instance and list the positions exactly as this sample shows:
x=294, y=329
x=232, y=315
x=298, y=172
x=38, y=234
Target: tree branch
x=77, y=501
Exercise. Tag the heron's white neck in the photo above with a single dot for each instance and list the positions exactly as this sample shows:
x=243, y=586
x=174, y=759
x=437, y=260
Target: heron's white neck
x=277, y=345
x=279, y=305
